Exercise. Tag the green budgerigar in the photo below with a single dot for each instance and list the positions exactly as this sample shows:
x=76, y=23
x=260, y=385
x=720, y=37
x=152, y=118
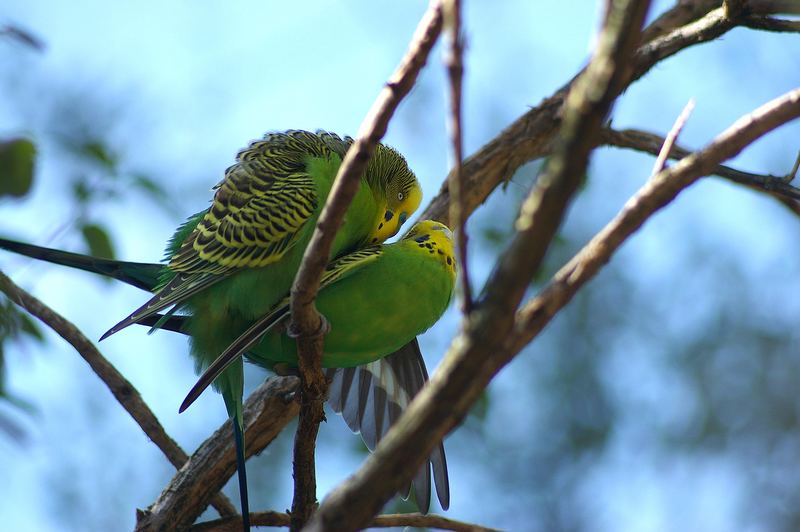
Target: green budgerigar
x=377, y=300
x=231, y=263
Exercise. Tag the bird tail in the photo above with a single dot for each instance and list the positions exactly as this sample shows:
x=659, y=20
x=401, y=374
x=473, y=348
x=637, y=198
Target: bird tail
x=231, y=385
x=139, y=274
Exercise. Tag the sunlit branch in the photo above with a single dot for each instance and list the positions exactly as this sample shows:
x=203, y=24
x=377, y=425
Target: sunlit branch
x=307, y=324
x=266, y=412
x=446, y=398
x=120, y=387
x=454, y=61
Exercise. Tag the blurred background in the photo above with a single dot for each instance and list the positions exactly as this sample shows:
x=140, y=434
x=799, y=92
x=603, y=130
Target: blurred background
x=665, y=397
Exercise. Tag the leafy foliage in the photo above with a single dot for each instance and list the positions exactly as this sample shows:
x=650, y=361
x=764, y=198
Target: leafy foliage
x=17, y=158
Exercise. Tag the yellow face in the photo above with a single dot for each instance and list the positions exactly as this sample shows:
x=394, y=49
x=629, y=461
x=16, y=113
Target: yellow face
x=436, y=239
x=401, y=204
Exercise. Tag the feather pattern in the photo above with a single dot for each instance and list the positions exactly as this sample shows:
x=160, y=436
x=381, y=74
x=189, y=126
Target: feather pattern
x=371, y=399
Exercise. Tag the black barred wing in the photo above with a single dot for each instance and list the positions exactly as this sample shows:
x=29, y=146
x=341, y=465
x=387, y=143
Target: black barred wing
x=258, y=212
x=371, y=399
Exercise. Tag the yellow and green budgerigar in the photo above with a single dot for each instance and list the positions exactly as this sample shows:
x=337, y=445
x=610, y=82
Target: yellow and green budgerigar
x=231, y=263
x=376, y=299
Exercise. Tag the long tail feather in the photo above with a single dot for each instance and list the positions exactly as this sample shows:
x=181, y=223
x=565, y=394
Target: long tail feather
x=142, y=275
x=241, y=471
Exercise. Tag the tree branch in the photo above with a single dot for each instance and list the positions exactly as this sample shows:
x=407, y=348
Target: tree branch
x=479, y=352
x=122, y=390
x=234, y=523
x=266, y=412
x=671, y=138
x=682, y=13
x=776, y=186
x=531, y=136
x=425, y=422
x=307, y=325
x=654, y=195
x=453, y=60
x=772, y=24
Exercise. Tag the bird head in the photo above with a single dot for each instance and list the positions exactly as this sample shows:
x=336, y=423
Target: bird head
x=436, y=239
x=398, y=189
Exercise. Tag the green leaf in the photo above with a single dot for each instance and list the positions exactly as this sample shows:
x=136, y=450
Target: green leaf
x=30, y=327
x=100, y=153
x=151, y=186
x=17, y=157
x=98, y=241
x=81, y=191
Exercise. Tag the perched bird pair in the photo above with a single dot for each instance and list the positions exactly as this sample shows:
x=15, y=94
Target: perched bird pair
x=231, y=266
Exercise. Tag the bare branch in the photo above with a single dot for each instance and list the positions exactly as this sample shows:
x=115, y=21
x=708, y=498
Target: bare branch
x=531, y=136
x=672, y=137
x=654, y=195
x=776, y=186
x=773, y=7
x=733, y=8
x=234, y=523
x=771, y=24
x=266, y=412
x=788, y=178
x=455, y=68
x=682, y=13
x=306, y=321
x=425, y=422
x=121, y=388
x=480, y=351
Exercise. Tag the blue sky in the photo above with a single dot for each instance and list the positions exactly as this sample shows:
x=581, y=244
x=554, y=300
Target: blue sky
x=178, y=88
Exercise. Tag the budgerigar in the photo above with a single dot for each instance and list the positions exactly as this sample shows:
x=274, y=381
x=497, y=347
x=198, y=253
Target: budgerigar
x=377, y=300
x=401, y=288
x=231, y=263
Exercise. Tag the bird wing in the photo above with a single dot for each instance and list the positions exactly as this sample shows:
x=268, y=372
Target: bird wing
x=335, y=271
x=371, y=399
x=256, y=215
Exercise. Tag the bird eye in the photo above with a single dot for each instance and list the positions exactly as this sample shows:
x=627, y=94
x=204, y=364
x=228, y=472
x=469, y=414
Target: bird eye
x=400, y=196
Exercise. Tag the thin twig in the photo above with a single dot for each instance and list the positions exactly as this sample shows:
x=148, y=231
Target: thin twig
x=121, y=388
x=352, y=504
x=654, y=195
x=793, y=172
x=454, y=61
x=306, y=321
x=775, y=186
x=532, y=135
x=733, y=8
x=475, y=356
x=672, y=137
x=773, y=7
x=234, y=523
x=683, y=12
x=266, y=412
x=778, y=25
